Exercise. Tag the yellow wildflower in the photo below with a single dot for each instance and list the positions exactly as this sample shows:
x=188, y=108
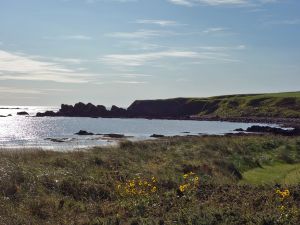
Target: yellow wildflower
x=154, y=189
x=185, y=176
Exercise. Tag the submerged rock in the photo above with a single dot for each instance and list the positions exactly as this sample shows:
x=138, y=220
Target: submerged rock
x=114, y=135
x=83, y=132
x=157, y=136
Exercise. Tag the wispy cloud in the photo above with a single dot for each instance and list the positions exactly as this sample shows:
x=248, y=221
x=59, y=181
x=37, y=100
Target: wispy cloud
x=135, y=60
x=37, y=91
x=162, y=23
x=18, y=66
x=141, y=34
x=221, y=48
x=129, y=82
x=15, y=90
x=283, y=22
x=214, y=30
x=76, y=37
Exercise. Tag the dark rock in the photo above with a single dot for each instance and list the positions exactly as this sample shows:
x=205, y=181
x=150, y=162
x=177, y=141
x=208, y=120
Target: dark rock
x=47, y=113
x=78, y=110
x=239, y=130
x=23, y=113
x=274, y=130
x=117, y=112
x=114, y=135
x=83, y=132
x=58, y=140
x=157, y=136
x=2, y=116
x=9, y=115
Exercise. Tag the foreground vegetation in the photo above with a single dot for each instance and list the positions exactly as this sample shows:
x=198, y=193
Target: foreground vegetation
x=188, y=180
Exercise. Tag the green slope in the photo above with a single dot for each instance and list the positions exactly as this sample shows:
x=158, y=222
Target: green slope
x=277, y=105
x=286, y=105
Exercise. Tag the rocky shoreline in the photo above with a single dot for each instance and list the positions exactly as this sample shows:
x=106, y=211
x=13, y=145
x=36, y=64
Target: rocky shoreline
x=134, y=111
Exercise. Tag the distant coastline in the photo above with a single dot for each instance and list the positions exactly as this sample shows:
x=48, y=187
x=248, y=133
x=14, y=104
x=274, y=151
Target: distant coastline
x=282, y=108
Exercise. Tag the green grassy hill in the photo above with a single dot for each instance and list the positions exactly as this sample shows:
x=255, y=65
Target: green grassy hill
x=285, y=105
x=277, y=105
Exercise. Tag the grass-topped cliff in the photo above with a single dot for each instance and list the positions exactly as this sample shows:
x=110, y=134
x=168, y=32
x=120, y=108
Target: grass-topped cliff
x=238, y=107
x=278, y=105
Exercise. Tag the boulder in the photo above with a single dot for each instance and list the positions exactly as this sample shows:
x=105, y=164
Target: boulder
x=23, y=113
x=47, y=113
x=83, y=133
x=157, y=136
x=274, y=130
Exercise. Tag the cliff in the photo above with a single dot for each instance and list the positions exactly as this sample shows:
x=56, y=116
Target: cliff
x=279, y=105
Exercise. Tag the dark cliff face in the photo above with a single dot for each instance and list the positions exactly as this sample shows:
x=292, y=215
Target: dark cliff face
x=157, y=108
x=171, y=108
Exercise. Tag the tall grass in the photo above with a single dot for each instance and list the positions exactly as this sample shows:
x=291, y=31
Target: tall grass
x=44, y=187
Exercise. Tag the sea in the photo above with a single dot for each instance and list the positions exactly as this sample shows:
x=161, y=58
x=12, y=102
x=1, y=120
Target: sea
x=58, y=133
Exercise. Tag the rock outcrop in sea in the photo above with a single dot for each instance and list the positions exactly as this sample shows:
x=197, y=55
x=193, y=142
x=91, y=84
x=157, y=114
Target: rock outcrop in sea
x=85, y=110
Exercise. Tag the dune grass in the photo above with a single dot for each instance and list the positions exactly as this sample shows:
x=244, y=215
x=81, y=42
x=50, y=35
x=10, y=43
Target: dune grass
x=286, y=174
x=89, y=187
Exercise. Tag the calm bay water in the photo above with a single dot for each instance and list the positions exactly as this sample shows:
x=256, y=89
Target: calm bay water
x=27, y=132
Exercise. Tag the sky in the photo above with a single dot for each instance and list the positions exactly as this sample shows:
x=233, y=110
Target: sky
x=116, y=51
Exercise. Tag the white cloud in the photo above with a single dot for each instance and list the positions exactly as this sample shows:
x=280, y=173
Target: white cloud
x=14, y=90
x=17, y=90
x=135, y=60
x=141, y=34
x=128, y=82
x=17, y=66
x=162, y=23
x=76, y=37
x=214, y=30
x=221, y=48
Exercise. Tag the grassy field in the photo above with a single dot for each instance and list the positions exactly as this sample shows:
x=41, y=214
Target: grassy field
x=188, y=180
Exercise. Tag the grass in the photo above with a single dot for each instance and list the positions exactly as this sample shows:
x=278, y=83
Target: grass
x=286, y=174
x=282, y=105
x=43, y=187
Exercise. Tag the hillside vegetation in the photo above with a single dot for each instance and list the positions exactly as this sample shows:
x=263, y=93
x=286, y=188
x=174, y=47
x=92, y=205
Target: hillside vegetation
x=278, y=105
x=184, y=180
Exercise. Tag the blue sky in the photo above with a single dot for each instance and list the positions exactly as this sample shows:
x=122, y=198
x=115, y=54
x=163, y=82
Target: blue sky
x=115, y=51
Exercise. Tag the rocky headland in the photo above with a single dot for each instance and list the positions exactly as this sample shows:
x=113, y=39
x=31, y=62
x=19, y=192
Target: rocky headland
x=281, y=108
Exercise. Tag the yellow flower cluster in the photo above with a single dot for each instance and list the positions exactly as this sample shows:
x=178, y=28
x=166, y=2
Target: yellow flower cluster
x=137, y=187
x=191, y=181
x=283, y=194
